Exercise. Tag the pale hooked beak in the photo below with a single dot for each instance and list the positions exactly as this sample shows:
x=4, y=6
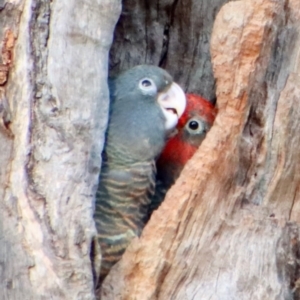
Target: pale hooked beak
x=172, y=102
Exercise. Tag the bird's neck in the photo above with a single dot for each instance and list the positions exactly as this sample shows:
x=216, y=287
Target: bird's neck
x=177, y=152
x=136, y=138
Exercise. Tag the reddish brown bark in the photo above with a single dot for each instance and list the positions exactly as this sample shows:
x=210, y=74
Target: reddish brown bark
x=228, y=227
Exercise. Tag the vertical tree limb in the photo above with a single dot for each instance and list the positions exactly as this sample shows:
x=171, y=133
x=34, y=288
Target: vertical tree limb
x=58, y=96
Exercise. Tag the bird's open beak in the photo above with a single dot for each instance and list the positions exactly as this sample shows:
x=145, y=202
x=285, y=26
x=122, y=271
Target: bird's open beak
x=172, y=102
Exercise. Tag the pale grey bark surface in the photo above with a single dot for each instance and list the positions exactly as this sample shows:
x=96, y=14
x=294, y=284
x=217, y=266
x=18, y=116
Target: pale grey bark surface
x=50, y=158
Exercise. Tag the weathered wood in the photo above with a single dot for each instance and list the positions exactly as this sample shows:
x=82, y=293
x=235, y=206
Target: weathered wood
x=57, y=95
x=228, y=228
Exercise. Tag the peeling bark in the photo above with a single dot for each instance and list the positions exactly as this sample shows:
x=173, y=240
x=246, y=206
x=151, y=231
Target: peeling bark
x=228, y=228
x=55, y=88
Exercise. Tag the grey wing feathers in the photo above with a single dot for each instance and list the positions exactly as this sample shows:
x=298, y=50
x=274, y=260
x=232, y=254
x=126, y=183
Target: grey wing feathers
x=122, y=204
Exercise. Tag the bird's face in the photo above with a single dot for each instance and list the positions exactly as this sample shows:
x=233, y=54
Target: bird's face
x=195, y=130
x=150, y=83
x=192, y=129
x=196, y=120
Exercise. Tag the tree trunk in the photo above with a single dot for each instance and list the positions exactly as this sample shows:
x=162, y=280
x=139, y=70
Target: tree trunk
x=53, y=105
x=228, y=228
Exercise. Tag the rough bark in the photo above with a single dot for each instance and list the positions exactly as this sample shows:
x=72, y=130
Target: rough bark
x=53, y=106
x=229, y=227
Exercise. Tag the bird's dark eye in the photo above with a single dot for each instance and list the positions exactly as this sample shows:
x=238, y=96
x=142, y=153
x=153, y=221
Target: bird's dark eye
x=193, y=125
x=196, y=126
x=146, y=83
x=147, y=86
